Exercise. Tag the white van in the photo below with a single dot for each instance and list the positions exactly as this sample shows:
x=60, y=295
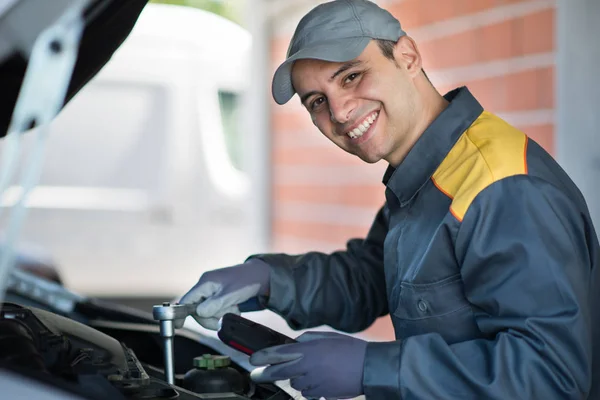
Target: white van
x=142, y=187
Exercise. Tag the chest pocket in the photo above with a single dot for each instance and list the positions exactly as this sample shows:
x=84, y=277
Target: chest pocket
x=438, y=307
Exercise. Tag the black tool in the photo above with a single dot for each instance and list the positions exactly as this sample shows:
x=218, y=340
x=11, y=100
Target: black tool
x=248, y=336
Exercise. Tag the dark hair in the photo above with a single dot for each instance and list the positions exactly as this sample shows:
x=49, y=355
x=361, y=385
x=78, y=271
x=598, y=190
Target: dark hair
x=387, y=49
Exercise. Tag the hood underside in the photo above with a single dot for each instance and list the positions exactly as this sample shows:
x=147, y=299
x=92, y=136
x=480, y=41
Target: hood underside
x=107, y=25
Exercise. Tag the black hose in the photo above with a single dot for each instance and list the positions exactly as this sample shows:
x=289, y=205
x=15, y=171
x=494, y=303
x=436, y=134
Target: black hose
x=18, y=346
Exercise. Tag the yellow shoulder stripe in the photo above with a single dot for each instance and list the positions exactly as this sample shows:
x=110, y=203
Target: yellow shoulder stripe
x=488, y=151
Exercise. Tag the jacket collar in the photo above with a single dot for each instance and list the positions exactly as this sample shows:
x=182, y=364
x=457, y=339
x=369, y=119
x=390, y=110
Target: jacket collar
x=433, y=145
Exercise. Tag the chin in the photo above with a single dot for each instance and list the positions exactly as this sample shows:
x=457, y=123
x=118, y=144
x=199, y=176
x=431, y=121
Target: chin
x=369, y=159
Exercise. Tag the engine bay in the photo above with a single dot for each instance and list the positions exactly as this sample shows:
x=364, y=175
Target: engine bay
x=107, y=351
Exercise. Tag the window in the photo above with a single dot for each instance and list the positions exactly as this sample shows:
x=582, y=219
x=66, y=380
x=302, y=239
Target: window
x=229, y=103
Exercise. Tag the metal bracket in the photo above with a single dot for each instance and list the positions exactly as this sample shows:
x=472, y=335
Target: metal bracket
x=41, y=97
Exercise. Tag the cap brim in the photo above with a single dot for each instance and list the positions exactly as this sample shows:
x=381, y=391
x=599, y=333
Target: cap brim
x=338, y=50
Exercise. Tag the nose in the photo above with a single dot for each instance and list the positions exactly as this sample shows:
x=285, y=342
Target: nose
x=341, y=108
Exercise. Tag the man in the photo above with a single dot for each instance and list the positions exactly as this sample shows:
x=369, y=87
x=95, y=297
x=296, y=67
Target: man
x=484, y=254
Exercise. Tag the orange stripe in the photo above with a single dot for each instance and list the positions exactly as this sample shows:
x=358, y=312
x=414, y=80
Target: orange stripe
x=525, y=154
x=441, y=190
x=449, y=196
x=541, y=134
x=455, y=214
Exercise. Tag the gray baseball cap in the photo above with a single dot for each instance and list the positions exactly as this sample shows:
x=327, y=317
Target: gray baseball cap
x=336, y=31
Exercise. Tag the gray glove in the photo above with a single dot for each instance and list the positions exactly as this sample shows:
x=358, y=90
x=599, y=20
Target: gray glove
x=226, y=290
x=321, y=364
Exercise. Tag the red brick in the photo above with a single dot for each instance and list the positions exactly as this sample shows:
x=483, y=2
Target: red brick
x=279, y=47
x=465, y=7
x=407, y=12
x=506, y=2
x=538, y=32
x=489, y=92
x=418, y=13
x=330, y=233
x=350, y=195
x=527, y=90
x=382, y=330
x=542, y=134
x=315, y=156
x=455, y=51
x=435, y=10
x=546, y=88
x=529, y=34
x=291, y=121
x=496, y=41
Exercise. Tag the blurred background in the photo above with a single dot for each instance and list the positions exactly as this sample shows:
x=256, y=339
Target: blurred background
x=175, y=159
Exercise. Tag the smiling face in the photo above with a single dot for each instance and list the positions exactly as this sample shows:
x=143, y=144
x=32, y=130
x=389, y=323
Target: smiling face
x=370, y=106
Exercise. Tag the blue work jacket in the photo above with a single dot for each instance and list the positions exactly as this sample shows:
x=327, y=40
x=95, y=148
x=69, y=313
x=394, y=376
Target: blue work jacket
x=484, y=256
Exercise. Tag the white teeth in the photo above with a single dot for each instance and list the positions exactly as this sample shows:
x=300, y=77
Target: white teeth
x=363, y=127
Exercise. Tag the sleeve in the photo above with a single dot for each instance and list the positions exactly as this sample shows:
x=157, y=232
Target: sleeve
x=345, y=289
x=525, y=255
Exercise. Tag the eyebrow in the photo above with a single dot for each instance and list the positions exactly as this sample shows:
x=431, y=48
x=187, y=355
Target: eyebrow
x=307, y=95
x=344, y=67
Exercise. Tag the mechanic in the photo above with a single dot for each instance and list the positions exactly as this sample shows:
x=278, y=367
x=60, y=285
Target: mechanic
x=484, y=254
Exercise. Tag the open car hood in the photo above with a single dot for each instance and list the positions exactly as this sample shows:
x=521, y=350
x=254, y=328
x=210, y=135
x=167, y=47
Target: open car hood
x=107, y=23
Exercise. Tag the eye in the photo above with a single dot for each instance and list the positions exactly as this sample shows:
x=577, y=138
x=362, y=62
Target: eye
x=351, y=77
x=317, y=102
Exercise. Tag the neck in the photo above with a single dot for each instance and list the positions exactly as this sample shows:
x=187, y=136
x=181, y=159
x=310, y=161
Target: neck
x=428, y=107
x=433, y=104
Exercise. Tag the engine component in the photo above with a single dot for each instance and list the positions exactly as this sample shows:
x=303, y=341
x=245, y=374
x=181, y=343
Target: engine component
x=75, y=354
x=18, y=347
x=171, y=316
x=96, y=359
x=66, y=347
x=213, y=374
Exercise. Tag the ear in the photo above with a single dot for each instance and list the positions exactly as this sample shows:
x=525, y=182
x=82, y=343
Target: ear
x=407, y=55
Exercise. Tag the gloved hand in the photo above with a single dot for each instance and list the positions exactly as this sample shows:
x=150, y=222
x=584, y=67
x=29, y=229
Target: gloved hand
x=223, y=290
x=323, y=364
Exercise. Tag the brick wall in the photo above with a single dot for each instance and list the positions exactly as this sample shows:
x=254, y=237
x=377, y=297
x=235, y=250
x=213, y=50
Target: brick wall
x=503, y=50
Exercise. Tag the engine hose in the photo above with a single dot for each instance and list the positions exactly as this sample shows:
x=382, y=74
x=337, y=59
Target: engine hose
x=17, y=345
